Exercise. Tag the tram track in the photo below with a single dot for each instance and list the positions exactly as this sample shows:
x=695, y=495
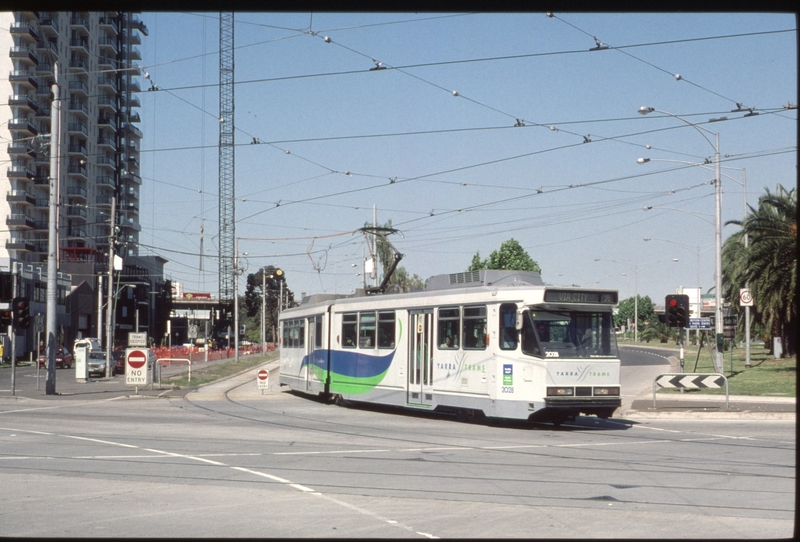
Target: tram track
x=545, y=459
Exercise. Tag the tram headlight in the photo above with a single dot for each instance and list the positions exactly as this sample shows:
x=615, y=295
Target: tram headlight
x=560, y=392
x=607, y=391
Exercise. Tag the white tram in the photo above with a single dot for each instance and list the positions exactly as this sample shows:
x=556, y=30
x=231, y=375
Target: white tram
x=481, y=343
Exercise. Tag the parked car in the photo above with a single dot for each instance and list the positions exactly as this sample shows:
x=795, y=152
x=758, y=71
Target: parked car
x=118, y=357
x=63, y=358
x=96, y=363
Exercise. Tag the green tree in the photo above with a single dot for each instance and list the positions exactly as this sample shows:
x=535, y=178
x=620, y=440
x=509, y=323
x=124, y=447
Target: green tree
x=511, y=256
x=658, y=330
x=627, y=309
x=769, y=264
x=250, y=310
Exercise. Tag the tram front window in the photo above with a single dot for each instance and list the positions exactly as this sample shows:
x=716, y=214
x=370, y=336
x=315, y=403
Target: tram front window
x=552, y=334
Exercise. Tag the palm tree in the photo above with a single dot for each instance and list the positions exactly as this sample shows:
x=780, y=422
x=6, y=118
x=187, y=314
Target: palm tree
x=769, y=263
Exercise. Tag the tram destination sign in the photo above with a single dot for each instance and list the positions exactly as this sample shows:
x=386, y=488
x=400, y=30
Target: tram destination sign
x=576, y=296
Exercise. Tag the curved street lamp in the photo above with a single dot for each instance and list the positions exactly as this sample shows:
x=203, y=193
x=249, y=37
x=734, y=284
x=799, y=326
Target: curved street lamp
x=644, y=110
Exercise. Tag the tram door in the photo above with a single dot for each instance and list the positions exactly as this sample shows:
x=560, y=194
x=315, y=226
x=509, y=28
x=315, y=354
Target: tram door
x=420, y=359
x=314, y=343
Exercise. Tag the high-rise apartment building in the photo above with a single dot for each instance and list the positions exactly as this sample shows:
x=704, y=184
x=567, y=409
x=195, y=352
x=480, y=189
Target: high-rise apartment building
x=92, y=56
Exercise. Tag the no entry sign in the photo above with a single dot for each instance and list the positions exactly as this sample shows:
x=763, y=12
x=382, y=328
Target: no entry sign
x=136, y=372
x=262, y=378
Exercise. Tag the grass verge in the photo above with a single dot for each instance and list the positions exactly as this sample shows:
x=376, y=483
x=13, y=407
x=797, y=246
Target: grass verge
x=767, y=376
x=219, y=371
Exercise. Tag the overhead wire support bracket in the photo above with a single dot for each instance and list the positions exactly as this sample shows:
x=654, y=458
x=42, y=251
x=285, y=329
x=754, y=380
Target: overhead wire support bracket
x=382, y=232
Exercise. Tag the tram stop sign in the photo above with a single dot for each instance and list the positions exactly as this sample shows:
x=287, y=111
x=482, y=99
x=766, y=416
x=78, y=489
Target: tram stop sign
x=262, y=378
x=136, y=367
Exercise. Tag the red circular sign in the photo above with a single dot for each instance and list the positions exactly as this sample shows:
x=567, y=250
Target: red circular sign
x=263, y=374
x=137, y=359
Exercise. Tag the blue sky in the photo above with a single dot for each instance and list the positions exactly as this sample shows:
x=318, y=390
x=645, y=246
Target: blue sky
x=431, y=141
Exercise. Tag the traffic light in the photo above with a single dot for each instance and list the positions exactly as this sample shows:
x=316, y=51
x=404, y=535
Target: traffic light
x=6, y=317
x=6, y=287
x=677, y=310
x=21, y=309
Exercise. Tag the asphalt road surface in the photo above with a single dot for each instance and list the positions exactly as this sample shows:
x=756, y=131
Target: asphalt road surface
x=232, y=461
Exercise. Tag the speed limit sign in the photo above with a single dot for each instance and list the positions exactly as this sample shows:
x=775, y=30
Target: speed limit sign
x=745, y=298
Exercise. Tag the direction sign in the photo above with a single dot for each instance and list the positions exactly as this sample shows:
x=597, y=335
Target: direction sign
x=699, y=323
x=136, y=367
x=262, y=378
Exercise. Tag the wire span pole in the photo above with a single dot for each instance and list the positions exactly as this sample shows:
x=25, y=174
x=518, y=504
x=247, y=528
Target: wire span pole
x=227, y=214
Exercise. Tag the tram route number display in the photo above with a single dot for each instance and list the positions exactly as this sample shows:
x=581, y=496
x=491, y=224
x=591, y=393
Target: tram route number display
x=136, y=372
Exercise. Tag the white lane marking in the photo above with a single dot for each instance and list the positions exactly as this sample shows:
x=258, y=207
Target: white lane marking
x=331, y=452
x=289, y=483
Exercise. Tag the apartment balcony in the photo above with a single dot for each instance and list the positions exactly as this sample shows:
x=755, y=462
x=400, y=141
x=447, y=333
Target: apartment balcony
x=78, y=151
x=75, y=233
x=78, y=87
x=41, y=245
x=106, y=144
x=76, y=192
x=23, y=78
x=20, y=172
x=79, y=24
x=73, y=211
x=132, y=193
x=77, y=170
x=80, y=108
x=133, y=130
x=48, y=26
x=20, y=221
x=132, y=177
x=19, y=243
x=77, y=128
x=107, y=63
x=24, y=102
x=132, y=53
x=41, y=225
x=134, y=117
x=134, y=101
x=42, y=203
x=24, y=31
x=107, y=103
x=21, y=197
x=107, y=122
x=129, y=222
x=108, y=24
x=107, y=83
x=21, y=148
x=23, y=127
x=106, y=162
x=78, y=65
x=45, y=69
x=24, y=55
x=105, y=181
x=103, y=201
x=41, y=180
x=48, y=49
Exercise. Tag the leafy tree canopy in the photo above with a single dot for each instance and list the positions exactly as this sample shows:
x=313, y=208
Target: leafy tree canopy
x=511, y=256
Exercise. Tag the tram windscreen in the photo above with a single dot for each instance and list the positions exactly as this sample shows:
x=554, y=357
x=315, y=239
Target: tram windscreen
x=573, y=334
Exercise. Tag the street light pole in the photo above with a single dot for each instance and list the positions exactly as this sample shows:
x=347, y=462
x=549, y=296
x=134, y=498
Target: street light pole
x=644, y=110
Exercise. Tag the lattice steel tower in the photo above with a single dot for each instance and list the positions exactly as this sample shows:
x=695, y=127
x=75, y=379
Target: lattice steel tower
x=227, y=211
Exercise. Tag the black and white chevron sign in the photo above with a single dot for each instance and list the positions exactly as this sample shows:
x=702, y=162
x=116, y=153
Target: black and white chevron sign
x=691, y=381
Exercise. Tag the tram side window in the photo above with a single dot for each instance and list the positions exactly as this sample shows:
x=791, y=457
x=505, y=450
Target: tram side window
x=366, y=330
x=449, y=320
x=300, y=337
x=349, y=334
x=474, y=328
x=386, y=329
x=508, y=326
x=318, y=332
x=294, y=332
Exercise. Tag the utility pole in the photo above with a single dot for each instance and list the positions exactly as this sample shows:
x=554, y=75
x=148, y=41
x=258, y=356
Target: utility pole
x=112, y=239
x=52, y=238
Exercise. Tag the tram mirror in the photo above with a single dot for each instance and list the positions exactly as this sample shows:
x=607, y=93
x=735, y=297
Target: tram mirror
x=518, y=323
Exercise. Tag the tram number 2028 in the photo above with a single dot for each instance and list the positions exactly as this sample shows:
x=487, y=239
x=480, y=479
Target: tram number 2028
x=507, y=389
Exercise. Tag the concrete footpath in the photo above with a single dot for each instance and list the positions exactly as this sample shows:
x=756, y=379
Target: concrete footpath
x=668, y=403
